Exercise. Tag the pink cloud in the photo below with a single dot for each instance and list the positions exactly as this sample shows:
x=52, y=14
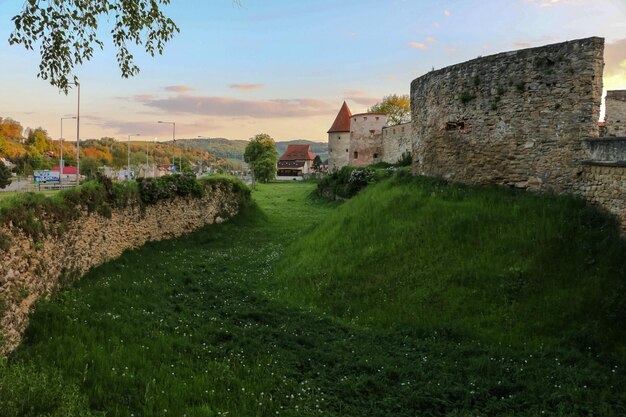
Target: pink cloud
x=436, y=25
x=431, y=39
x=522, y=44
x=247, y=87
x=447, y=13
x=178, y=88
x=418, y=45
x=232, y=107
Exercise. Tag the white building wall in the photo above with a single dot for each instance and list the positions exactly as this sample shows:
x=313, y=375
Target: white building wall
x=338, y=149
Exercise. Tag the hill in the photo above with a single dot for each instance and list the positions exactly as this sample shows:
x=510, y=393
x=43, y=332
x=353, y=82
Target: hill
x=485, y=263
x=234, y=149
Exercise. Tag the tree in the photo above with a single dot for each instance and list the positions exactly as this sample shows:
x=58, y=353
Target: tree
x=317, y=163
x=66, y=32
x=261, y=155
x=5, y=175
x=397, y=108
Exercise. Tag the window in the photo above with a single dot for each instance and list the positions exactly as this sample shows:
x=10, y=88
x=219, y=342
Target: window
x=377, y=117
x=372, y=131
x=355, y=155
x=394, y=131
x=403, y=129
x=365, y=118
x=346, y=150
x=452, y=126
x=338, y=137
x=375, y=155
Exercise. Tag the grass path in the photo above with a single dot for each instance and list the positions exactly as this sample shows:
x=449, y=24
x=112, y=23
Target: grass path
x=190, y=327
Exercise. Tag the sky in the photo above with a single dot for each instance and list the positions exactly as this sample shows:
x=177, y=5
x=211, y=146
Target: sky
x=284, y=67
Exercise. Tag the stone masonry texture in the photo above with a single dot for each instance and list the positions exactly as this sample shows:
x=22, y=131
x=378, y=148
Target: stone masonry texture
x=30, y=270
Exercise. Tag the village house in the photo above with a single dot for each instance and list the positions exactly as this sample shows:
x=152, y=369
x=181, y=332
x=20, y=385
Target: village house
x=297, y=161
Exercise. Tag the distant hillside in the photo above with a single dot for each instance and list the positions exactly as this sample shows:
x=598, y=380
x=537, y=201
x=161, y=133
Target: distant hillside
x=234, y=149
x=220, y=147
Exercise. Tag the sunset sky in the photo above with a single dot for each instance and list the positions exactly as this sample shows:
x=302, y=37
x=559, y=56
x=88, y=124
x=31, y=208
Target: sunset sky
x=284, y=67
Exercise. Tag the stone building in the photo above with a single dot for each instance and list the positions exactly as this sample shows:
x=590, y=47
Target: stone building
x=616, y=113
x=364, y=139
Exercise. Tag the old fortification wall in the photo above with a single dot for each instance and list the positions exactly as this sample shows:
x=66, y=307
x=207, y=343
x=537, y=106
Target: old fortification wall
x=397, y=140
x=366, y=138
x=29, y=269
x=514, y=118
x=616, y=113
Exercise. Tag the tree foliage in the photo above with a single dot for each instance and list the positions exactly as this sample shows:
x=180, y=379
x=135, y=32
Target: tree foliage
x=261, y=155
x=5, y=175
x=66, y=32
x=317, y=163
x=397, y=108
x=10, y=129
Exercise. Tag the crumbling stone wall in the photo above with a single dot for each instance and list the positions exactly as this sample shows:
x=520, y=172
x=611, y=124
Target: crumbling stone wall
x=30, y=270
x=616, y=113
x=397, y=140
x=514, y=118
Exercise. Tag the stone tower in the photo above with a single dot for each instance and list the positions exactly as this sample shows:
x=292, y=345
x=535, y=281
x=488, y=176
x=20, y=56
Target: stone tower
x=366, y=138
x=339, y=139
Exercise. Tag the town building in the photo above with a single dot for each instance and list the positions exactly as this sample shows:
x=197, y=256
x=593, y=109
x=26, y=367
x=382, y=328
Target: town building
x=297, y=161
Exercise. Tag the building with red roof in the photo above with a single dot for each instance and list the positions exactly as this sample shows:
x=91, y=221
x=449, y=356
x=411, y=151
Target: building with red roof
x=297, y=161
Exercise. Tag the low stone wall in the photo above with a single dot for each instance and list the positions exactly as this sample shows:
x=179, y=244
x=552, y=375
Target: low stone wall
x=605, y=149
x=30, y=270
x=605, y=185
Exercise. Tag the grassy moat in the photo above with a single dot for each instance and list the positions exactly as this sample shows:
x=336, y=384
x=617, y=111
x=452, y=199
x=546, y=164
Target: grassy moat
x=415, y=298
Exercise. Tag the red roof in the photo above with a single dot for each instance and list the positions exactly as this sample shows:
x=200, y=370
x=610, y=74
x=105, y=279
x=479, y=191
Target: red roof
x=298, y=153
x=66, y=170
x=342, y=121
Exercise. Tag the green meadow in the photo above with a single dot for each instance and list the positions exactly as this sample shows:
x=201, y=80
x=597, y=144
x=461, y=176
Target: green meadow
x=415, y=298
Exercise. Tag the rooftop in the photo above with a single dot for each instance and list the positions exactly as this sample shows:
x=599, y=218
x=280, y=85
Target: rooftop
x=342, y=121
x=298, y=153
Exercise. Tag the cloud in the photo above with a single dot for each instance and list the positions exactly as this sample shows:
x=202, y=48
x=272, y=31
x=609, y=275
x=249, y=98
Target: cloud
x=615, y=65
x=431, y=39
x=232, y=107
x=522, y=44
x=178, y=88
x=436, y=25
x=418, y=45
x=447, y=13
x=351, y=34
x=550, y=3
x=148, y=130
x=247, y=87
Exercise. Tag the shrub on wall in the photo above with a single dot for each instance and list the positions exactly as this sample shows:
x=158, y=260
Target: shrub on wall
x=27, y=211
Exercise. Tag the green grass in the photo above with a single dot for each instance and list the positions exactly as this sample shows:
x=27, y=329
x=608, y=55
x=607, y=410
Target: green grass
x=489, y=263
x=206, y=325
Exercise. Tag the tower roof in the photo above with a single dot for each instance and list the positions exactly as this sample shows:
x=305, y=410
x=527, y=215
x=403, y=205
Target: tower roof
x=342, y=121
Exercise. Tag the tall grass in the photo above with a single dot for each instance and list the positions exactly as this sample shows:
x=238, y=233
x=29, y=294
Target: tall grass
x=488, y=263
x=203, y=326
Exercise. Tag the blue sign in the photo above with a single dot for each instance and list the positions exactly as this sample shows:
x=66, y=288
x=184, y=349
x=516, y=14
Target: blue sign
x=47, y=177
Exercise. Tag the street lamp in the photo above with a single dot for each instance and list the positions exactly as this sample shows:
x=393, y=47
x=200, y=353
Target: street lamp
x=173, y=138
x=128, y=167
x=77, y=84
x=61, y=163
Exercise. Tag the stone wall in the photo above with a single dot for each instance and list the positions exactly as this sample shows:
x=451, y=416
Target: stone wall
x=616, y=113
x=29, y=269
x=605, y=149
x=604, y=184
x=397, y=140
x=366, y=138
x=514, y=118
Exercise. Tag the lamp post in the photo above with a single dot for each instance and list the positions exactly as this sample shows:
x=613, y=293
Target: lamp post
x=77, y=84
x=61, y=163
x=128, y=166
x=173, y=138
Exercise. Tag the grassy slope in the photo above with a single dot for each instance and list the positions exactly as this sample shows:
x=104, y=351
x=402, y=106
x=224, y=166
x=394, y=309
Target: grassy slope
x=195, y=327
x=493, y=264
